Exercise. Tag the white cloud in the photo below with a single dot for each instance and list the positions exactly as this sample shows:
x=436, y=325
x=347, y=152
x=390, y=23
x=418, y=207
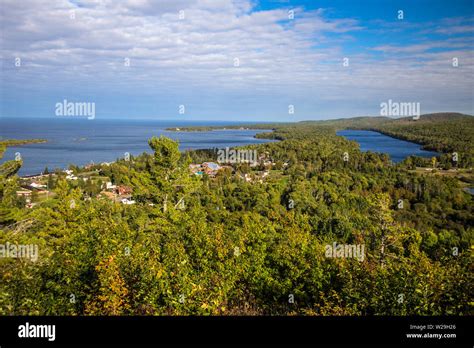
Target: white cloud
x=63, y=43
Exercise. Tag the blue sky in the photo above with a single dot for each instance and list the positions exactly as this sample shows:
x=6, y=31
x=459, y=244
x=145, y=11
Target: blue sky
x=235, y=60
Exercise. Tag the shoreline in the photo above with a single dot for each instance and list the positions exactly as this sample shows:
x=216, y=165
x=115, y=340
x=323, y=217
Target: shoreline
x=39, y=174
x=5, y=143
x=424, y=146
x=20, y=142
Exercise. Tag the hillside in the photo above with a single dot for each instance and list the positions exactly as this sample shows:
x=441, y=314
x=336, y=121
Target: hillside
x=246, y=239
x=447, y=133
x=441, y=132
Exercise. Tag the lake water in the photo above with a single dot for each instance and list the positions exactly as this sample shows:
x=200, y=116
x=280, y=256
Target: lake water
x=377, y=142
x=80, y=141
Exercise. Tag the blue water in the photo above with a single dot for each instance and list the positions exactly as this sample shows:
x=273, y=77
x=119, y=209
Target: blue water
x=80, y=141
x=377, y=142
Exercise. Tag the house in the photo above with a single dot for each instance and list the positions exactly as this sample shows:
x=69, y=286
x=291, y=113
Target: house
x=36, y=185
x=23, y=193
x=210, y=168
x=127, y=201
x=211, y=165
x=109, y=186
x=124, y=190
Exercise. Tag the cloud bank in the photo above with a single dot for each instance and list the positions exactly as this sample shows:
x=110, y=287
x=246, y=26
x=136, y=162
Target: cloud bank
x=225, y=60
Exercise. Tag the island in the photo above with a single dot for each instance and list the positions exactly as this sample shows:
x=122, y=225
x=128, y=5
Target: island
x=4, y=143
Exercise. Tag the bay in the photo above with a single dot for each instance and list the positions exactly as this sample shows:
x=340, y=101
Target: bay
x=397, y=149
x=79, y=140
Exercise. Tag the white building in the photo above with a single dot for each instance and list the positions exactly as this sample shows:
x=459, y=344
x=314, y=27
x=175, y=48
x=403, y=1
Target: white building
x=127, y=201
x=36, y=185
x=110, y=186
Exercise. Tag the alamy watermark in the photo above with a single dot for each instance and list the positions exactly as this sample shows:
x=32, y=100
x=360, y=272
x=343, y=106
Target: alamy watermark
x=228, y=155
x=37, y=331
x=356, y=251
x=24, y=251
x=76, y=109
x=400, y=109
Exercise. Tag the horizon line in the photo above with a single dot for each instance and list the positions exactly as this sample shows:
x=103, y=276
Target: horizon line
x=141, y=118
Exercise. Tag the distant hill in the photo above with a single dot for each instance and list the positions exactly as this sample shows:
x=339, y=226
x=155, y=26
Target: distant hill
x=439, y=116
x=362, y=121
x=371, y=121
x=446, y=132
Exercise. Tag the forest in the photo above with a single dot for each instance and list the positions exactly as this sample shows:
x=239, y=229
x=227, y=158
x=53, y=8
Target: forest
x=225, y=245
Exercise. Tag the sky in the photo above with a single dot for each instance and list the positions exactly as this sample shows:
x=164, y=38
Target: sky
x=244, y=60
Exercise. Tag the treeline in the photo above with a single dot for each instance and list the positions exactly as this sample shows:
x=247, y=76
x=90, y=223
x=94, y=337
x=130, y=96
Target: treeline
x=438, y=133
x=446, y=133
x=226, y=246
x=14, y=142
